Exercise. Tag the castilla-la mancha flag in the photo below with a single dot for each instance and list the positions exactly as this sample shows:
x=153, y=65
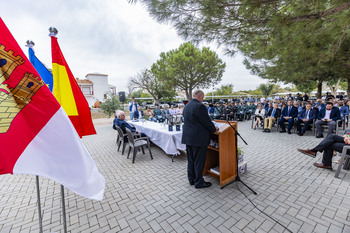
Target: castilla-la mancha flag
x=36, y=136
x=68, y=93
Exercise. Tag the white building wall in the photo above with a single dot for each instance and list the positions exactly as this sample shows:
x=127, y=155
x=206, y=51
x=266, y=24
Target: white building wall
x=100, y=85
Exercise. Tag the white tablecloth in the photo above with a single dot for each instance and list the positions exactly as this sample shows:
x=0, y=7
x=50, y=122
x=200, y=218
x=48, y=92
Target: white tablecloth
x=168, y=141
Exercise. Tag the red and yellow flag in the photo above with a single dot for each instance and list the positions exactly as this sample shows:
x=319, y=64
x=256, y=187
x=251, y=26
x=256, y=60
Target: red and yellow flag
x=68, y=93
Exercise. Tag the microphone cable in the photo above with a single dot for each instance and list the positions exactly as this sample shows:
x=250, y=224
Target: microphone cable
x=262, y=210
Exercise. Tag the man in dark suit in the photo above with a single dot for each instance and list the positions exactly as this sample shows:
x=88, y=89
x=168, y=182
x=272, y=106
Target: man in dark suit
x=139, y=113
x=327, y=116
x=196, y=134
x=272, y=116
x=288, y=114
x=306, y=116
x=328, y=145
x=120, y=121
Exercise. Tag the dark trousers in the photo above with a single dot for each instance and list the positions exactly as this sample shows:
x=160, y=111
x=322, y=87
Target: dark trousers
x=306, y=124
x=196, y=156
x=328, y=145
x=290, y=123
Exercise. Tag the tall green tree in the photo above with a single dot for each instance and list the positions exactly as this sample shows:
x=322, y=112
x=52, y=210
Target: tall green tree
x=266, y=89
x=188, y=68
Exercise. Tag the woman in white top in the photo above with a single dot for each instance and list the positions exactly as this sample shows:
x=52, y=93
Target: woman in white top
x=259, y=115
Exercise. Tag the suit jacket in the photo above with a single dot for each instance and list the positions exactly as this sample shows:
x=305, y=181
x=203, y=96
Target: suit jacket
x=122, y=124
x=293, y=112
x=335, y=114
x=166, y=112
x=137, y=115
x=277, y=113
x=197, y=125
x=303, y=114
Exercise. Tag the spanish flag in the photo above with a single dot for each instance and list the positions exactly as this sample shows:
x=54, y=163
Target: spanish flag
x=68, y=93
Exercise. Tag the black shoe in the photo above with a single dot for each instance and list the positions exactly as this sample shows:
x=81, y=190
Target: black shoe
x=289, y=132
x=268, y=130
x=265, y=130
x=191, y=183
x=205, y=185
x=300, y=134
x=319, y=136
x=283, y=131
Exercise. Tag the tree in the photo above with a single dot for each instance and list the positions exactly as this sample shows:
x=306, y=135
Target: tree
x=155, y=86
x=266, y=89
x=229, y=22
x=188, y=68
x=140, y=94
x=291, y=41
x=110, y=105
x=224, y=90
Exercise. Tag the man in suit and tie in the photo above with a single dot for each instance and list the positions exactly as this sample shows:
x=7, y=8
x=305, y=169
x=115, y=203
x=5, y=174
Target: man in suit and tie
x=288, y=114
x=139, y=113
x=327, y=116
x=196, y=134
x=306, y=116
x=272, y=116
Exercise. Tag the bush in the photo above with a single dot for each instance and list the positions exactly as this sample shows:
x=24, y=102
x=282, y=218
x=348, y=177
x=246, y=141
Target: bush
x=110, y=105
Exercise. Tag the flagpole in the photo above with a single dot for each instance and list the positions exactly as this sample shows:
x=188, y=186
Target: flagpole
x=39, y=205
x=63, y=210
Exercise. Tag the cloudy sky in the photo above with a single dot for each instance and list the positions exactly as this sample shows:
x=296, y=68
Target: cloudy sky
x=105, y=36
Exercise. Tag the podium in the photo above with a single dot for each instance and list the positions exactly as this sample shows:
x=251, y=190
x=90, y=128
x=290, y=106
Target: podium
x=224, y=157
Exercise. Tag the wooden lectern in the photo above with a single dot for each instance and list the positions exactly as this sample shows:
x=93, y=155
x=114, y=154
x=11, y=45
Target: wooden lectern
x=225, y=155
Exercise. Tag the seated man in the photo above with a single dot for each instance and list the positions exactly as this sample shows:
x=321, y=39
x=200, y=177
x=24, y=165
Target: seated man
x=149, y=115
x=165, y=113
x=331, y=143
x=241, y=113
x=172, y=110
x=344, y=111
x=120, y=121
x=272, y=116
x=139, y=113
x=288, y=114
x=327, y=116
x=306, y=116
x=158, y=114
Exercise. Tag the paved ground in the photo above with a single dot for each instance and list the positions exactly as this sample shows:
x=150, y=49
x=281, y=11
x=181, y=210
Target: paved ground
x=154, y=195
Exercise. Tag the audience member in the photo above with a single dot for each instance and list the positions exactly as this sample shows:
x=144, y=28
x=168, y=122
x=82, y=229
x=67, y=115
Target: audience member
x=259, y=116
x=272, y=116
x=307, y=117
x=331, y=143
x=288, y=115
x=327, y=116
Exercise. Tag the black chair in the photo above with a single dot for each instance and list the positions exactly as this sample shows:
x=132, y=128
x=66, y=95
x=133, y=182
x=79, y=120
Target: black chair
x=120, y=138
x=136, y=143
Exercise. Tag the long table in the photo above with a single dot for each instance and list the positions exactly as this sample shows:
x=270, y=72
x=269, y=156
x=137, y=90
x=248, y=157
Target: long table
x=168, y=141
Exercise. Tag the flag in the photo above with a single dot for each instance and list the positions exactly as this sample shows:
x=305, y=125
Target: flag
x=36, y=136
x=68, y=93
x=44, y=73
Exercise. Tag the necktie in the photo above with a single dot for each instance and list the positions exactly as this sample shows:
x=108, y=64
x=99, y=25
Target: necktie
x=288, y=110
x=273, y=113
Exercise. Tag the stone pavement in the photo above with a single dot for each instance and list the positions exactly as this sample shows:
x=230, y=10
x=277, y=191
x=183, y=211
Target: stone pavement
x=155, y=196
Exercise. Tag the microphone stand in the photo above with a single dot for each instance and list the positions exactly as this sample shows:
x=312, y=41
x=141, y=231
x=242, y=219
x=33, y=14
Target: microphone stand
x=238, y=178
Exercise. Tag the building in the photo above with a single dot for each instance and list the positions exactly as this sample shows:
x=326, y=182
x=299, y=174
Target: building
x=96, y=88
x=87, y=87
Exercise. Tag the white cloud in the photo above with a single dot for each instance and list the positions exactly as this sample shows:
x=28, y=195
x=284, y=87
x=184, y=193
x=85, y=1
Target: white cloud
x=106, y=36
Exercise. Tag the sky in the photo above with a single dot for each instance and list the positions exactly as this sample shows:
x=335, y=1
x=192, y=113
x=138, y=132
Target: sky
x=111, y=37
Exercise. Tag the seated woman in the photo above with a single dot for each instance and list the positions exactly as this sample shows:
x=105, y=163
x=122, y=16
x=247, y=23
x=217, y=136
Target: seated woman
x=149, y=115
x=259, y=115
